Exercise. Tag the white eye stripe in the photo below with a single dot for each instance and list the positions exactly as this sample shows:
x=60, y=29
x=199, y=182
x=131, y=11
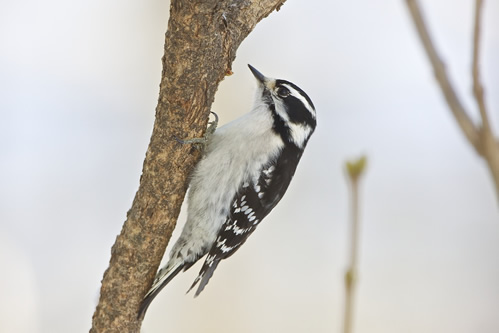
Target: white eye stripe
x=298, y=95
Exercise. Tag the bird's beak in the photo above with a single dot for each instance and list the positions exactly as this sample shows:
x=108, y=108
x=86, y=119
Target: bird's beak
x=262, y=79
x=259, y=76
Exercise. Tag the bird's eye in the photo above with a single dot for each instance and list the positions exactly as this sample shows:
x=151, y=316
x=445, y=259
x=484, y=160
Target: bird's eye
x=282, y=92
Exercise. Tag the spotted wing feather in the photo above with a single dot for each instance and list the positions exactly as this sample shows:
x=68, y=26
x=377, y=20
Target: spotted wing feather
x=255, y=199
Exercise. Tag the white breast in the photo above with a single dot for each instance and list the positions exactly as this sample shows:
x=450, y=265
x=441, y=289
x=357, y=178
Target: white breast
x=235, y=154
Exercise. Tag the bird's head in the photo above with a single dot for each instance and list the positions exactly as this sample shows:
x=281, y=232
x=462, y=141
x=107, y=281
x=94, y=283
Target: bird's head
x=292, y=109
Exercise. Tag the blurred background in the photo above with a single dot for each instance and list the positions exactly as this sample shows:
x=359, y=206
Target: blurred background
x=79, y=84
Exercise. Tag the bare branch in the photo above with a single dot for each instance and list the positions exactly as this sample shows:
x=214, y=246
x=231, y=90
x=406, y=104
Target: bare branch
x=482, y=139
x=200, y=46
x=460, y=114
x=355, y=170
x=477, y=84
x=489, y=143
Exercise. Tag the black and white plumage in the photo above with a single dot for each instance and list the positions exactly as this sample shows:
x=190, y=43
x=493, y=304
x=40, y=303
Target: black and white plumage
x=245, y=170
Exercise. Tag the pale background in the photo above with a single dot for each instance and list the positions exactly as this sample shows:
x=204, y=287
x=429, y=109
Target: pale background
x=78, y=88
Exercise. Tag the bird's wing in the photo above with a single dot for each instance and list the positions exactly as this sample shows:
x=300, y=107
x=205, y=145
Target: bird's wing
x=254, y=200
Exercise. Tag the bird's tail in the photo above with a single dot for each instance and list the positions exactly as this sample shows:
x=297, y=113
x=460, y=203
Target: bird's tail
x=205, y=274
x=164, y=276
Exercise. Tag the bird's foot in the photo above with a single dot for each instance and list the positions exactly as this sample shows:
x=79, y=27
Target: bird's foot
x=200, y=143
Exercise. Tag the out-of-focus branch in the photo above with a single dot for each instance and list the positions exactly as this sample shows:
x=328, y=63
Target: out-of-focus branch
x=355, y=170
x=481, y=138
x=477, y=84
x=463, y=119
x=489, y=143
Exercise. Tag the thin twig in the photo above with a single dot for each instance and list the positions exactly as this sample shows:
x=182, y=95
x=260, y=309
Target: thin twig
x=488, y=140
x=477, y=84
x=355, y=170
x=482, y=139
x=469, y=129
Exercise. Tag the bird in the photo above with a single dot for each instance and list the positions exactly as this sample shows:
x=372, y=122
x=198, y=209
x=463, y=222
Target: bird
x=245, y=169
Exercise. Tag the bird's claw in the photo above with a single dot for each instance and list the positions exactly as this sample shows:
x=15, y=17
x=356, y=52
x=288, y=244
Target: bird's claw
x=200, y=143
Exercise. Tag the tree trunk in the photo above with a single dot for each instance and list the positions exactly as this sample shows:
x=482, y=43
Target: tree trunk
x=200, y=46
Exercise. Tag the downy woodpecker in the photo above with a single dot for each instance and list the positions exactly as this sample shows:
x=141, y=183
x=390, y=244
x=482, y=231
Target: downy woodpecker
x=245, y=170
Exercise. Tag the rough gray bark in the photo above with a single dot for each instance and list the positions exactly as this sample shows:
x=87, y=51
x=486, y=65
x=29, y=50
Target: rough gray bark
x=201, y=43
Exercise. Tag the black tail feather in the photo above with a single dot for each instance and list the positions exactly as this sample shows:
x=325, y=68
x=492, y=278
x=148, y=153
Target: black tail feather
x=204, y=276
x=148, y=298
